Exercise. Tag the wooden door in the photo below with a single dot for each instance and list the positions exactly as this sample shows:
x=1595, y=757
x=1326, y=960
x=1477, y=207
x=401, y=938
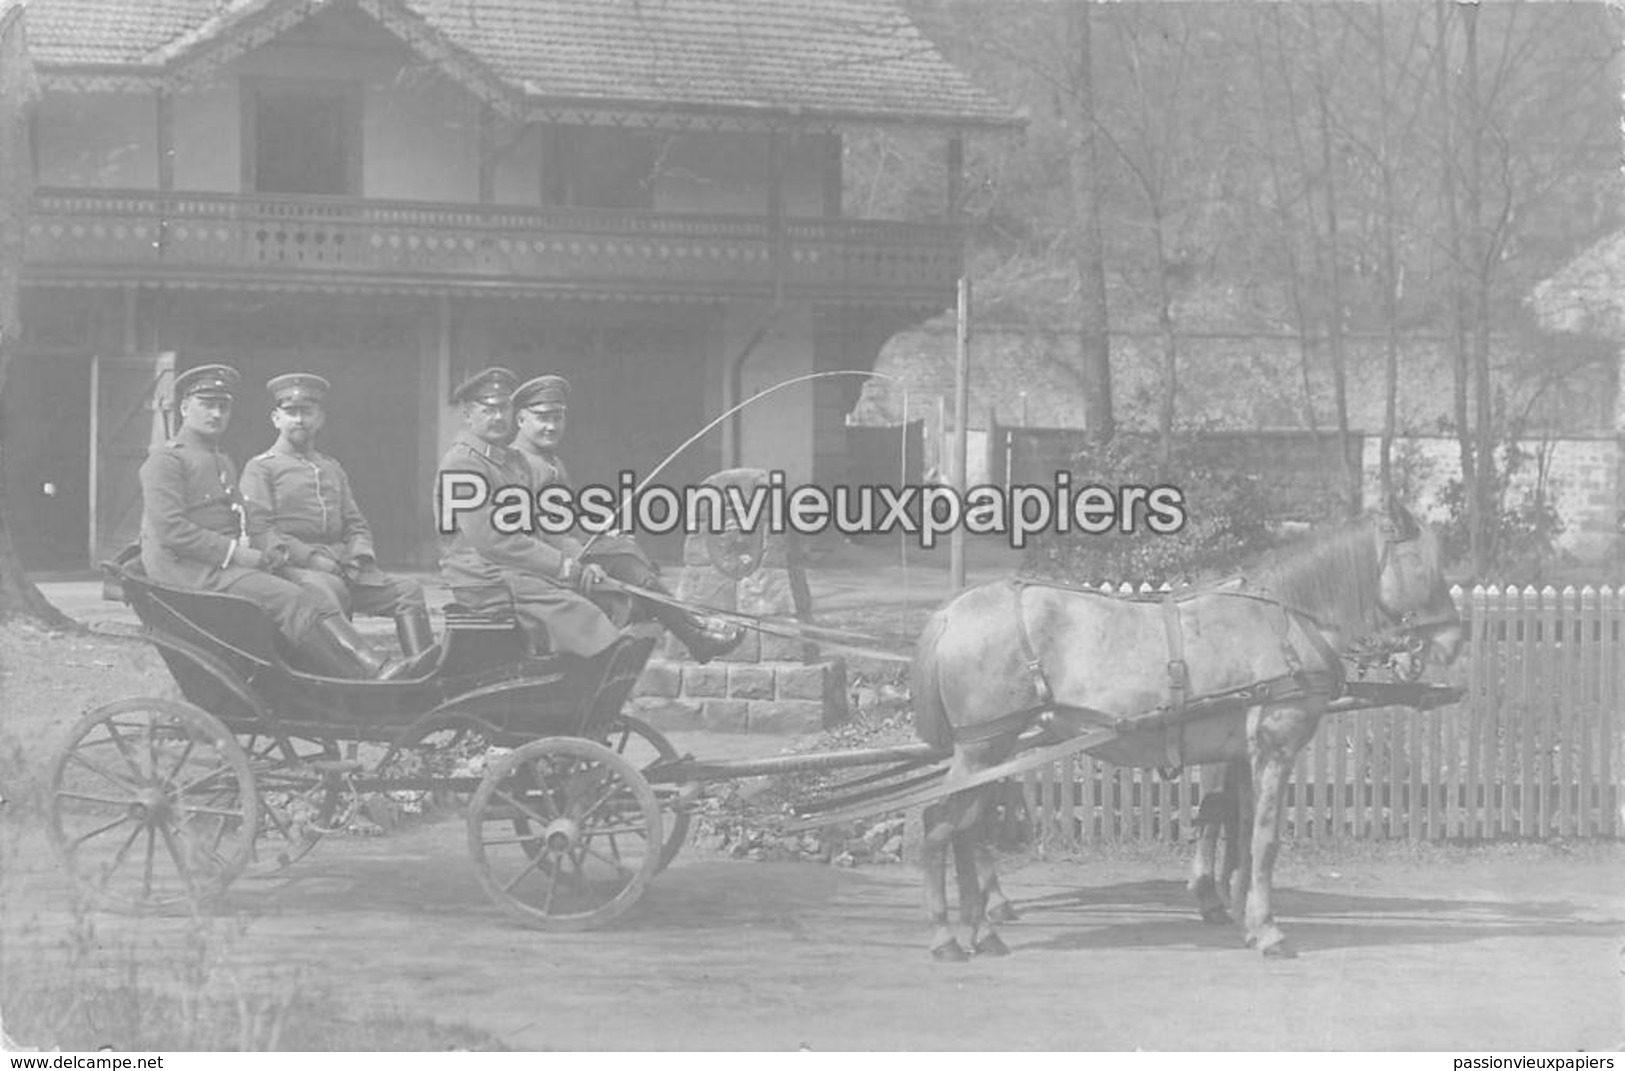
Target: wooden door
x=131, y=413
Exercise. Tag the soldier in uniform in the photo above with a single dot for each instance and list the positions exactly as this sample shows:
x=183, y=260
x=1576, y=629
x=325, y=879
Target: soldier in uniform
x=485, y=568
x=300, y=504
x=540, y=408
x=193, y=534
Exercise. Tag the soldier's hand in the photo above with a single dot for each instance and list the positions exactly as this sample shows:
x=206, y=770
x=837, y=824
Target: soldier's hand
x=248, y=558
x=323, y=563
x=591, y=577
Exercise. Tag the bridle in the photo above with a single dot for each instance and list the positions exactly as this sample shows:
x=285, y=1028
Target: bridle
x=1407, y=631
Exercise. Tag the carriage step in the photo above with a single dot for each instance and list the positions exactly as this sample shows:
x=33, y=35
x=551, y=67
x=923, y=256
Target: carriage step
x=462, y=619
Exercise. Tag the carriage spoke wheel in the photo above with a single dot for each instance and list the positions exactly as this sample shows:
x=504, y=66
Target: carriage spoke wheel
x=152, y=806
x=298, y=804
x=643, y=745
x=564, y=834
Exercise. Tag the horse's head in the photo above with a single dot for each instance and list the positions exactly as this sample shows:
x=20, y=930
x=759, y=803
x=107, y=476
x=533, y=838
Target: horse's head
x=1412, y=592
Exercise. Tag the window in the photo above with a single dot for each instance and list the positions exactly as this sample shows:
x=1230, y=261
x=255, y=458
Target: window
x=301, y=137
x=590, y=167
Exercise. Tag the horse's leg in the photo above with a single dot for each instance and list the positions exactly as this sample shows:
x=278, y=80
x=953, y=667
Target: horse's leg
x=1275, y=743
x=998, y=906
x=994, y=901
x=978, y=877
x=1213, y=814
x=941, y=822
x=1235, y=872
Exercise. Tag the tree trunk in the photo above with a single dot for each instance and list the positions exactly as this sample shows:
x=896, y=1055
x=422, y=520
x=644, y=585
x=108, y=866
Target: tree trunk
x=1460, y=371
x=18, y=595
x=1350, y=474
x=1486, y=501
x=1089, y=250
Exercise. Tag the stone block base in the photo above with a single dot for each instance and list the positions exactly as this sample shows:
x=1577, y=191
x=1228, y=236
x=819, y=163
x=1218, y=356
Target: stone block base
x=764, y=697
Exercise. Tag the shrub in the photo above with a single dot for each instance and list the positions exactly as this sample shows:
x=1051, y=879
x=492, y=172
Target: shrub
x=1228, y=517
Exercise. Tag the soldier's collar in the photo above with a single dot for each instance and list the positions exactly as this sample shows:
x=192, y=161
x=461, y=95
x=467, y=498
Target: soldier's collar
x=494, y=451
x=187, y=437
x=287, y=450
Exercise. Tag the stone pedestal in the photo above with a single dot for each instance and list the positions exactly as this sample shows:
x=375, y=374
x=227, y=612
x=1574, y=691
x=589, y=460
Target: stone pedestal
x=769, y=684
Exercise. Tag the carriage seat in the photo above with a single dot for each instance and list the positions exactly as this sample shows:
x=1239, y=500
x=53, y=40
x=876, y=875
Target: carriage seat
x=219, y=623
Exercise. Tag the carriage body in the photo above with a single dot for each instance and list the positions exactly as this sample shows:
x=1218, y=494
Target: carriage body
x=228, y=658
x=158, y=804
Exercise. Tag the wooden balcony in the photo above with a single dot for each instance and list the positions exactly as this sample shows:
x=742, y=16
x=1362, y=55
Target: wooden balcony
x=188, y=239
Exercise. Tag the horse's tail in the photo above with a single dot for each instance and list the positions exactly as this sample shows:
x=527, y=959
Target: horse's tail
x=930, y=716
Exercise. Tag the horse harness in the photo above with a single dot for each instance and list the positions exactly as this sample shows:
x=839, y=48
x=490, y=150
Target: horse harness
x=1296, y=683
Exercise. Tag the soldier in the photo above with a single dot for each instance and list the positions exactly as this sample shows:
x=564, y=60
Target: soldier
x=300, y=505
x=486, y=568
x=192, y=533
x=540, y=408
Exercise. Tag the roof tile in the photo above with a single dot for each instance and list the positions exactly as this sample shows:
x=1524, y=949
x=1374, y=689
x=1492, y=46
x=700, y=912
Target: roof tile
x=841, y=58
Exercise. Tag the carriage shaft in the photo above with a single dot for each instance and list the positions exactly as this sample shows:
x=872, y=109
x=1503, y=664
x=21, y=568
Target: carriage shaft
x=726, y=769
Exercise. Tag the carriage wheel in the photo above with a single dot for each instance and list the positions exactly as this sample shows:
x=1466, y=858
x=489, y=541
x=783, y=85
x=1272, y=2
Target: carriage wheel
x=298, y=805
x=152, y=806
x=590, y=840
x=642, y=745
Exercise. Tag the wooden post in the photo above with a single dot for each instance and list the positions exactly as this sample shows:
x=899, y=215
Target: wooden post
x=488, y=154
x=166, y=140
x=956, y=538
x=94, y=490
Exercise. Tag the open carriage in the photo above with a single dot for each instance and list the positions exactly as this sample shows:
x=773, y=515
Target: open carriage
x=159, y=803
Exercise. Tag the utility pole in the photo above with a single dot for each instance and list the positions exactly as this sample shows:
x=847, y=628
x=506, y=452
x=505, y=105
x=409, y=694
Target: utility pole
x=956, y=538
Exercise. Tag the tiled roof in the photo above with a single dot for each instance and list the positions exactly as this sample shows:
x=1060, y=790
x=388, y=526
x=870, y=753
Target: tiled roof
x=96, y=32
x=841, y=59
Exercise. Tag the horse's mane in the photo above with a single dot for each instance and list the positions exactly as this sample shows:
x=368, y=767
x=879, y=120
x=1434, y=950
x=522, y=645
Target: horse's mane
x=1331, y=575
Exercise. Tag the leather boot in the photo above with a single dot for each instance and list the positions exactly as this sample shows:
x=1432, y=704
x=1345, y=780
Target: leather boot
x=705, y=639
x=412, y=628
x=343, y=652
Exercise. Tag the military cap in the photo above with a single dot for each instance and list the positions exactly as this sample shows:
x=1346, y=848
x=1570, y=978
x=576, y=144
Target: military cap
x=207, y=380
x=492, y=386
x=543, y=392
x=298, y=388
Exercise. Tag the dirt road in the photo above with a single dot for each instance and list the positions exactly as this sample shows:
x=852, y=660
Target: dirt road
x=1488, y=954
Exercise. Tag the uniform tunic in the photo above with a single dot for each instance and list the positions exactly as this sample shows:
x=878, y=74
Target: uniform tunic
x=303, y=503
x=547, y=470
x=191, y=529
x=485, y=568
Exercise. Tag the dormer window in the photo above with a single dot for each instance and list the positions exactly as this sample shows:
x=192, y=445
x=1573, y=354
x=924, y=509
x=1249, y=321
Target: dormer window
x=301, y=137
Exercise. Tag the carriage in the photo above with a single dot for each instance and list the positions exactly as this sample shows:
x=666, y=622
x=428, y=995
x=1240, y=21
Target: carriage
x=159, y=803
x=572, y=806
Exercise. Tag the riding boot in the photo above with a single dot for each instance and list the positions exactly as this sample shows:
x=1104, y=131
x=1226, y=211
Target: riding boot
x=412, y=628
x=705, y=639
x=343, y=652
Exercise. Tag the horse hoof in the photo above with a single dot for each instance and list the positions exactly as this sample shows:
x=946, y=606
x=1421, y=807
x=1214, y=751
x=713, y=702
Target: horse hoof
x=1003, y=913
x=949, y=952
x=1216, y=916
x=1279, y=949
x=992, y=945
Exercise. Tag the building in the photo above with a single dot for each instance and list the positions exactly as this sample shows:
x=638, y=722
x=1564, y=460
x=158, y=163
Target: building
x=643, y=197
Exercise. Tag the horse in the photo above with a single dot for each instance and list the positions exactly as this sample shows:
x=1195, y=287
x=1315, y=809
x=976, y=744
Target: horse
x=1264, y=659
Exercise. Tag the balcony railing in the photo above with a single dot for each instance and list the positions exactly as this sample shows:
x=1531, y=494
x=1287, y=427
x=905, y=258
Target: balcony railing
x=117, y=236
